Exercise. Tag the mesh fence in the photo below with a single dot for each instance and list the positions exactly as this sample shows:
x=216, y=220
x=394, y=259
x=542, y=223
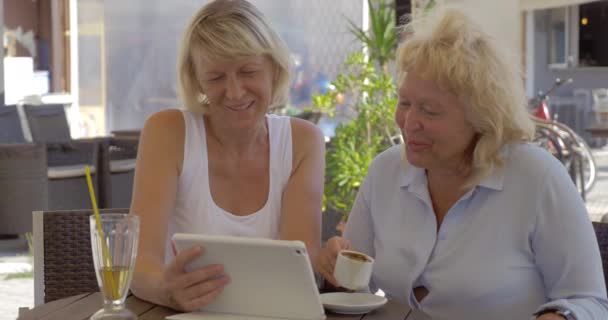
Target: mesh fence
x=141, y=39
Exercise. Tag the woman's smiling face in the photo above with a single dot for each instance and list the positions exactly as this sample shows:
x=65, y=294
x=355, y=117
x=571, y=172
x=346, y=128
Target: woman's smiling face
x=239, y=90
x=433, y=123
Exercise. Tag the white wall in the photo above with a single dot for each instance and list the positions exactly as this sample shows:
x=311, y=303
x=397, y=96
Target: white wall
x=500, y=18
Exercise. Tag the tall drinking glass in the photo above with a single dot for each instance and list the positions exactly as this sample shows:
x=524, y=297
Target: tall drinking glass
x=114, y=250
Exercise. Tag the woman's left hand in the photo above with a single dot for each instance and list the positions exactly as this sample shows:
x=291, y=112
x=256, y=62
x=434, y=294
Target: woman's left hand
x=326, y=260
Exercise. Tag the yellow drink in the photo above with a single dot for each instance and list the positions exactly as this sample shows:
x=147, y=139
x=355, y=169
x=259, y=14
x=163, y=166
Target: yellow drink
x=114, y=247
x=115, y=281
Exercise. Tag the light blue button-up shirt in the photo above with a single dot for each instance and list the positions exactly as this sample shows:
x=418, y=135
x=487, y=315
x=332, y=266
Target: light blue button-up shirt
x=518, y=242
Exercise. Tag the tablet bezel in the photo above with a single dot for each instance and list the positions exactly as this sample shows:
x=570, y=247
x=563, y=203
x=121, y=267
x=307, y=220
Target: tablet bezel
x=279, y=269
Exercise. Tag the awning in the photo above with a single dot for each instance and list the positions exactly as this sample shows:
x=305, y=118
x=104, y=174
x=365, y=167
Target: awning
x=525, y=5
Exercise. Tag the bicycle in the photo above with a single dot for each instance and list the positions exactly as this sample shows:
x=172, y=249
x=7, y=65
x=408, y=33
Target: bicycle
x=563, y=142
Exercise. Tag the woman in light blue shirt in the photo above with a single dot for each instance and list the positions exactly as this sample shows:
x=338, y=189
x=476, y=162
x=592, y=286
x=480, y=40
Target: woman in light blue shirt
x=467, y=220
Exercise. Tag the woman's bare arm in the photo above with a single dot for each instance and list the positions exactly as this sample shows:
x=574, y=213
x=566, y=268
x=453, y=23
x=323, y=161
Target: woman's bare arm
x=303, y=195
x=159, y=161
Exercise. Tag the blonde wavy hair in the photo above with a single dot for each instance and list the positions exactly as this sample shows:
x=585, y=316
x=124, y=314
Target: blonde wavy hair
x=447, y=47
x=230, y=28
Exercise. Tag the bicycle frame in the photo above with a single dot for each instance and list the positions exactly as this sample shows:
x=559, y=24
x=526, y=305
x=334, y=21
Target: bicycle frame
x=562, y=141
x=539, y=103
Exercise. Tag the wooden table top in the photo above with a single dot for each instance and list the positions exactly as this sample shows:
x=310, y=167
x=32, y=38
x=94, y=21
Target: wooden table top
x=598, y=130
x=82, y=306
x=126, y=133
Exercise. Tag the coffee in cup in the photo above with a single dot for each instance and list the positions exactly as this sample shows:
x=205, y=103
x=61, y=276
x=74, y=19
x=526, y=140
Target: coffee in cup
x=356, y=256
x=353, y=269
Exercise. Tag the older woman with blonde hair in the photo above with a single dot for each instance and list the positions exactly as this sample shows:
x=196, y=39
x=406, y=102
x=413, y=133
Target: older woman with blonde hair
x=223, y=165
x=467, y=219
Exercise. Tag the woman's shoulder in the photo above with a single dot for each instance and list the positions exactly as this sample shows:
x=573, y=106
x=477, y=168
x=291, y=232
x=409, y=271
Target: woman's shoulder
x=530, y=155
x=166, y=119
x=528, y=161
x=390, y=157
x=387, y=164
x=301, y=127
x=307, y=141
x=305, y=134
x=166, y=125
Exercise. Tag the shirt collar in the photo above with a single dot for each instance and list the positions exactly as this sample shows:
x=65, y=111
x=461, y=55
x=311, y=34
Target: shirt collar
x=412, y=176
x=494, y=180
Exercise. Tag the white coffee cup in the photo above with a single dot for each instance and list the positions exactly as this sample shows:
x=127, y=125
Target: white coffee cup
x=353, y=269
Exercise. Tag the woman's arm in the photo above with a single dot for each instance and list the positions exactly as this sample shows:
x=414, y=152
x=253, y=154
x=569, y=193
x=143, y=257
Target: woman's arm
x=566, y=249
x=303, y=195
x=159, y=159
x=159, y=164
x=359, y=226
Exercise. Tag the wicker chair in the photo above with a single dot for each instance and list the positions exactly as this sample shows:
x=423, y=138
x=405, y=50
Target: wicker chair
x=66, y=173
x=66, y=157
x=63, y=260
x=601, y=232
x=47, y=122
x=23, y=181
x=117, y=171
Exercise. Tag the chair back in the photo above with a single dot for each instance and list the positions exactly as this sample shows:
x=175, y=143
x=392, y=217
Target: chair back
x=48, y=123
x=23, y=181
x=601, y=232
x=10, y=125
x=117, y=171
x=63, y=260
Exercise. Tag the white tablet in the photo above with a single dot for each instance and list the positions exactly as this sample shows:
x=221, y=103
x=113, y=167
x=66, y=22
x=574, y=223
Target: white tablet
x=268, y=278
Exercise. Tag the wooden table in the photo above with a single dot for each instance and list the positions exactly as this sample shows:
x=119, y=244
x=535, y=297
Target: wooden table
x=82, y=306
x=130, y=133
x=598, y=130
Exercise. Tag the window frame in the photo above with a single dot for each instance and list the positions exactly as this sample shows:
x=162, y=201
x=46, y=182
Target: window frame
x=567, y=39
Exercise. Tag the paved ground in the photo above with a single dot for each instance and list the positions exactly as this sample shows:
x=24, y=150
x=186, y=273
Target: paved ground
x=15, y=293
x=597, y=199
x=19, y=292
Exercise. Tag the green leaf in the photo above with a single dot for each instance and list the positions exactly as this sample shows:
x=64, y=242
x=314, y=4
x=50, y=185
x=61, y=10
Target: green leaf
x=370, y=98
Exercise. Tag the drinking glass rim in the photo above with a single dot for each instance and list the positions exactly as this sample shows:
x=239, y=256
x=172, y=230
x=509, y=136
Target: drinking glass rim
x=115, y=216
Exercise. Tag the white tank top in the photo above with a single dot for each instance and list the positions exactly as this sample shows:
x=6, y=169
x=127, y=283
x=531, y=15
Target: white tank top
x=196, y=212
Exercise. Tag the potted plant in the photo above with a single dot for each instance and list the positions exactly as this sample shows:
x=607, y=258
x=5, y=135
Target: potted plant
x=365, y=93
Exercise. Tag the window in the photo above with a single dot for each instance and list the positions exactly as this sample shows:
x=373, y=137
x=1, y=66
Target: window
x=558, y=36
x=576, y=35
x=593, y=27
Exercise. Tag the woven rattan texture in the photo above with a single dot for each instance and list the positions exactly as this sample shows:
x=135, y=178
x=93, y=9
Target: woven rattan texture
x=601, y=232
x=68, y=262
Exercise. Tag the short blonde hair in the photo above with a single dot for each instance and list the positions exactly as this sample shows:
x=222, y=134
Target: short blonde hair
x=230, y=28
x=447, y=47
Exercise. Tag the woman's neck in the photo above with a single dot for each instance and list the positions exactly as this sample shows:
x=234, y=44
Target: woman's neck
x=237, y=141
x=450, y=178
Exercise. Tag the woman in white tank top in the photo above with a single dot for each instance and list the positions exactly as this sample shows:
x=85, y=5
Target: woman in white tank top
x=224, y=166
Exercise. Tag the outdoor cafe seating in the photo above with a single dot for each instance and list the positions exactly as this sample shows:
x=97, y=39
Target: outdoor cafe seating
x=61, y=159
x=23, y=181
x=63, y=263
x=63, y=269
x=11, y=125
x=65, y=283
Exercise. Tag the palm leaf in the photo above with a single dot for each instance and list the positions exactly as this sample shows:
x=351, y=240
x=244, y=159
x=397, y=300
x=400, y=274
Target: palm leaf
x=381, y=38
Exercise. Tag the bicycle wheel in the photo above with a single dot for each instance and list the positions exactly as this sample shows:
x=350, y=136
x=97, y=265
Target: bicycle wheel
x=589, y=165
x=550, y=140
x=588, y=162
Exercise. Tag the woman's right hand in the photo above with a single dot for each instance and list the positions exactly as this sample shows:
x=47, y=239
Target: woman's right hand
x=326, y=260
x=189, y=291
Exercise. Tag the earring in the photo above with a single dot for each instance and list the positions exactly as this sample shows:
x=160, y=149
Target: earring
x=202, y=99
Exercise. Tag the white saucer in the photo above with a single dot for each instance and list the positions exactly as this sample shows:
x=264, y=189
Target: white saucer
x=351, y=303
